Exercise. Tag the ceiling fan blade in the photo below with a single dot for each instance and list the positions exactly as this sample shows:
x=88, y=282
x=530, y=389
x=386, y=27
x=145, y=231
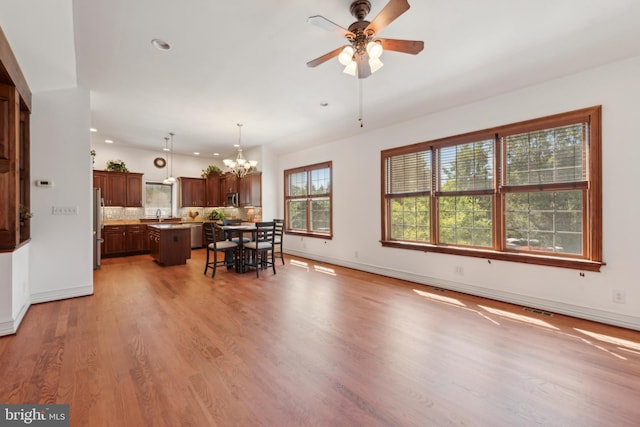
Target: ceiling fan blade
x=364, y=69
x=405, y=46
x=327, y=56
x=325, y=24
x=387, y=15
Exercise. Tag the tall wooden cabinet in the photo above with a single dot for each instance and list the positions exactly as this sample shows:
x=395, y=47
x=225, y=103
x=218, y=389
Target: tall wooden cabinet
x=213, y=191
x=14, y=166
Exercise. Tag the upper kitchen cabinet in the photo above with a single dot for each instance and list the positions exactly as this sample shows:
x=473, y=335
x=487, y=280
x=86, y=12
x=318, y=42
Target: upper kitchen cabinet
x=134, y=190
x=192, y=192
x=250, y=190
x=228, y=184
x=119, y=188
x=213, y=191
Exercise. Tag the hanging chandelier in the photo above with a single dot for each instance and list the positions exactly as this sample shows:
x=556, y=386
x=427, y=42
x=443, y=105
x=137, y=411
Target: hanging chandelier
x=240, y=166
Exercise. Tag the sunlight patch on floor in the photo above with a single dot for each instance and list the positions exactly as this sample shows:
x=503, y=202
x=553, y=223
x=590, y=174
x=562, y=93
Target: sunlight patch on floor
x=611, y=340
x=441, y=298
x=518, y=317
x=300, y=264
x=324, y=270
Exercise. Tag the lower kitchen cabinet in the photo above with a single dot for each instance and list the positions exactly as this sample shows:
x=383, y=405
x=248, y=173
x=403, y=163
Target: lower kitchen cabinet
x=120, y=240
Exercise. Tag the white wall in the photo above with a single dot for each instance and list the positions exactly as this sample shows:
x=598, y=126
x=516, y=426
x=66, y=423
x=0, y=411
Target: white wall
x=356, y=207
x=141, y=161
x=60, y=258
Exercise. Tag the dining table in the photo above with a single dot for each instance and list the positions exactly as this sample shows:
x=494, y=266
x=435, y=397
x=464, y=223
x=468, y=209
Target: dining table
x=239, y=231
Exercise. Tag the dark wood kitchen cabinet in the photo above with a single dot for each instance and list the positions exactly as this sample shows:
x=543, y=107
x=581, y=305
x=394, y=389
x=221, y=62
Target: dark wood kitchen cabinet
x=228, y=184
x=170, y=244
x=250, y=190
x=115, y=240
x=136, y=238
x=213, y=191
x=122, y=240
x=192, y=192
x=134, y=190
x=119, y=188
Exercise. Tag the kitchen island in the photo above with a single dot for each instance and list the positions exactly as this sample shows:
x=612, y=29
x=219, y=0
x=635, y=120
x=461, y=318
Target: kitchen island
x=170, y=244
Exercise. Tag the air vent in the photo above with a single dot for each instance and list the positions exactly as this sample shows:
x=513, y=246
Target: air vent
x=536, y=311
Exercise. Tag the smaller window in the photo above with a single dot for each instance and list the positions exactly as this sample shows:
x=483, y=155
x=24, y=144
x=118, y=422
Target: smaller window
x=308, y=200
x=157, y=196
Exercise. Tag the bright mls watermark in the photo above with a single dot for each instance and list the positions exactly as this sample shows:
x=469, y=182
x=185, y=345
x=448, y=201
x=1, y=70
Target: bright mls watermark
x=54, y=415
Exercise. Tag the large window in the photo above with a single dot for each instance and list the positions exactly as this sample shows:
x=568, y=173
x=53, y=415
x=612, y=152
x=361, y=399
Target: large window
x=528, y=192
x=308, y=200
x=157, y=196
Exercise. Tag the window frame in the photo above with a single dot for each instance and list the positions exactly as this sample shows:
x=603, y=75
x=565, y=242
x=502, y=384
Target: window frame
x=165, y=213
x=591, y=258
x=309, y=198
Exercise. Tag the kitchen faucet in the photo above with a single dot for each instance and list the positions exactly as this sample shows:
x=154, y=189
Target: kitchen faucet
x=159, y=215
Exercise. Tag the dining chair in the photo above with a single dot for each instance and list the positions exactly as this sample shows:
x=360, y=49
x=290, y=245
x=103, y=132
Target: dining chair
x=277, y=241
x=215, y=246
x=259, y=253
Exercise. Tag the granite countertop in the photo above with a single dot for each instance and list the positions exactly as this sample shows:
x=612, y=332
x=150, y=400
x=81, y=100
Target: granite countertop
x=154, y=221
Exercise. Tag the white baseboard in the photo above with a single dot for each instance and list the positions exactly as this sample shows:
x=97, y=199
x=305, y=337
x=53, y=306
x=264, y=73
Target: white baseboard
x=586, y=313
x=11, y=326
x=81, y=291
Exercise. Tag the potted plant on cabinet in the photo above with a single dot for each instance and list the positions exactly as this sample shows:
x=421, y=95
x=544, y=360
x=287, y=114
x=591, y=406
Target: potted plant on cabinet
x=211, y=169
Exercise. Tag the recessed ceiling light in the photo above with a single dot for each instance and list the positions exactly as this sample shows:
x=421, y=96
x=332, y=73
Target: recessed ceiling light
x=93, y=130
x=236, y=145
x=166, y=149
x=108, y=141
x=160, y=44
x=195, y=153
x=216, y=154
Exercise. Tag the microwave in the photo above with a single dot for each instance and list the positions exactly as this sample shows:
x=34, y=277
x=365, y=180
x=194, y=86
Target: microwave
x=232, y=200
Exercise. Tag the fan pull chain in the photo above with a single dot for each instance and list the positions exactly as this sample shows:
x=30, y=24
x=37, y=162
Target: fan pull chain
x=361, y=118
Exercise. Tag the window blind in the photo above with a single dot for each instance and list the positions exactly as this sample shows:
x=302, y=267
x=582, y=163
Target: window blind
x=409, y=173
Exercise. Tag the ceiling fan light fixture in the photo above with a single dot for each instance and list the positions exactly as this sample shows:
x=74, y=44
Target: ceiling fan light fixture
x=351, y=68
x=346, y=56
x=374, y=49
x=375, y=64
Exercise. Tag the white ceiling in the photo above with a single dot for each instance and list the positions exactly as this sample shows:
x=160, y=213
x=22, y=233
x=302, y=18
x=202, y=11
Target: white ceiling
x=244, y=61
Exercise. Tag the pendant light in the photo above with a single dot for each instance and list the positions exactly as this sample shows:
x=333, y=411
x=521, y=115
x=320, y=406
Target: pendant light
x=166, y=160
x=171, y=178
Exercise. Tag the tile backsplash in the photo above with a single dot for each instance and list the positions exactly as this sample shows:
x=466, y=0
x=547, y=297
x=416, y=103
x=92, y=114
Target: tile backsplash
x=116, y=213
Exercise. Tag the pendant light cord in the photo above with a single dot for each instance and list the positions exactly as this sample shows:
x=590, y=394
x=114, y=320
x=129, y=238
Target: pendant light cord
x=361, y=108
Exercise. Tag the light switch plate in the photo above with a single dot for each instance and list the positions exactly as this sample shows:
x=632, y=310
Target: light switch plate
x=65, y=210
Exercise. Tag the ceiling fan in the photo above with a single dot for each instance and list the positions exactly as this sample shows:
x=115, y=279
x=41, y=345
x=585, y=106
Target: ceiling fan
x=362, y=55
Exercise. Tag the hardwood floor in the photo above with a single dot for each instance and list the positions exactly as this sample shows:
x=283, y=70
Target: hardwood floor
x=313, y=345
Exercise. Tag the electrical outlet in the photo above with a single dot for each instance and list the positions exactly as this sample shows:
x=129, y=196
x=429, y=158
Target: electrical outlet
x=64, y=210
x=619, y=296
x=459, y=270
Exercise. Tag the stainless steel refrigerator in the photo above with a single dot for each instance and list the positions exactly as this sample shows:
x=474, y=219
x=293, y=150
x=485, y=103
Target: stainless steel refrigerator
x=97, y=227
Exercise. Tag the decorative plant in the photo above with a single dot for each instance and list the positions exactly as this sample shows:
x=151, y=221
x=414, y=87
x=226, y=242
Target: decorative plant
x=211, y=169
x=25, y=213
x=216, y=215
x=93, y=157
x=116, y=166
